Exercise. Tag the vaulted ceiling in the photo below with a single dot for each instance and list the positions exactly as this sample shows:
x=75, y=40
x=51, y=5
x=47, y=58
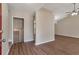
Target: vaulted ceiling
x=58, y=9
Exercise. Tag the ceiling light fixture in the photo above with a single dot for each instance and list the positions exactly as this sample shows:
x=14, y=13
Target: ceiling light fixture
x=74, y=12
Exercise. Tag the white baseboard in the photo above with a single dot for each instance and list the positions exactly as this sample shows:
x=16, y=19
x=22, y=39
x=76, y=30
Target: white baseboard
x=44, y=42
x=68, y=35
x=28, y=40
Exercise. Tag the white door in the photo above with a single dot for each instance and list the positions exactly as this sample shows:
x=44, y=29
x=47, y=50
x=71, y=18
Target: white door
x=5, y=48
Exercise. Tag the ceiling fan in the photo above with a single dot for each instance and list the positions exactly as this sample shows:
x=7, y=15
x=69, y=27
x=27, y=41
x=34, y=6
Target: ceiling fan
x=75, y=11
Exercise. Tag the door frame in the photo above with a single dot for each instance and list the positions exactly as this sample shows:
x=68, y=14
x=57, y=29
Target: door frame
x=1, y=28
x=12, y=27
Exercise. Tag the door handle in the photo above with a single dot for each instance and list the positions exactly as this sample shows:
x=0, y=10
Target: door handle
x=2, y=40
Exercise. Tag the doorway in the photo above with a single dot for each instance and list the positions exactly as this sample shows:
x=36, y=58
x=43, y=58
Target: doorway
x=18, y=30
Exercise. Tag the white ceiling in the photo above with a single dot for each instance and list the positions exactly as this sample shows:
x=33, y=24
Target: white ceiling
x=58, y=9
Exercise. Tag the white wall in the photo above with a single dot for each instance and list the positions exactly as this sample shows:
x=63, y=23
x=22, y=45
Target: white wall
x=5, y=35
x=68, y=26
x=44, y=26
x=28, y=24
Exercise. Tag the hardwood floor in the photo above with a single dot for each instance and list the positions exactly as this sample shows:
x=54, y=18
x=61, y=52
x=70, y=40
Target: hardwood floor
x=61, y=46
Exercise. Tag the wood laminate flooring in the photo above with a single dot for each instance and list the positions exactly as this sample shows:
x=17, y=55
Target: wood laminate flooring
x=61, y=46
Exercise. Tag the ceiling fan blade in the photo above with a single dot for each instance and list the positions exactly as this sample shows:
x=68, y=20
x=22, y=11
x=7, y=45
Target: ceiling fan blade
x=77, y=9
x=78, y=12
x=68, y=12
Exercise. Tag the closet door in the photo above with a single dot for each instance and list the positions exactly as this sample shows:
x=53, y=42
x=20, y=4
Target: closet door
x=18, y=28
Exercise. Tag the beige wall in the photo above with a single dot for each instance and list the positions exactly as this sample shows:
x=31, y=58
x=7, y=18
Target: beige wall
x=68, y=26
x=28, y=24
x=44, y=26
